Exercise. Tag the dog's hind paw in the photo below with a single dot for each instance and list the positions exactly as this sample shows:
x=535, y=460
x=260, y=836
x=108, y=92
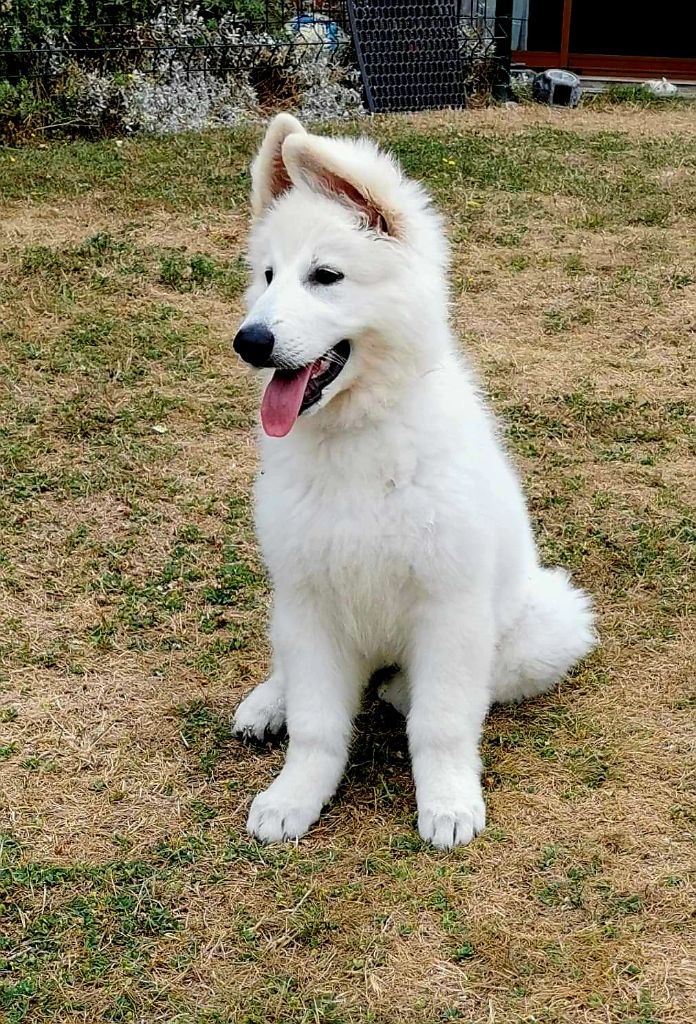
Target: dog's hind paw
x=446, y=828
x=261, y=715
x=273, y=820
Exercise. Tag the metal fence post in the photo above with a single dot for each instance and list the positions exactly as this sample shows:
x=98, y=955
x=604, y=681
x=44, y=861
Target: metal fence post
x=503, y=48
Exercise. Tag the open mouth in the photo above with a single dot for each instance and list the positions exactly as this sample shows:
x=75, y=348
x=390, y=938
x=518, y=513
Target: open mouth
x=292, y=392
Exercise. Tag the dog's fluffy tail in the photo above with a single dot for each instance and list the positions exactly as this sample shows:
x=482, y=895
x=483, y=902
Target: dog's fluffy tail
x=553, y=631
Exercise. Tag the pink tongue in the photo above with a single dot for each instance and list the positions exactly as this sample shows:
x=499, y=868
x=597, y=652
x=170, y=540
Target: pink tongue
x=282, y=400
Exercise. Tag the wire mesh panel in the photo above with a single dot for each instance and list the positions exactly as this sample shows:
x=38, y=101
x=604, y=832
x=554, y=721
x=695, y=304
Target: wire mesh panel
x=408, y=54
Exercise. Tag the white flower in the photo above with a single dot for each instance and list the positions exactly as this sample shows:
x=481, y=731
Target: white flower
x=206, y=84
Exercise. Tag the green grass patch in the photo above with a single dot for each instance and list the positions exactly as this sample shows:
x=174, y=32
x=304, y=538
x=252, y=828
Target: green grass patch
x=133, y=604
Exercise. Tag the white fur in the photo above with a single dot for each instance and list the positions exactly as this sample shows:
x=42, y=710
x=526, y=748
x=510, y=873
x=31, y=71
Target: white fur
x=392, y=523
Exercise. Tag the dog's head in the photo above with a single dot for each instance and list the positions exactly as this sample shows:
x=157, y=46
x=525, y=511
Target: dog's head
x=347, y=277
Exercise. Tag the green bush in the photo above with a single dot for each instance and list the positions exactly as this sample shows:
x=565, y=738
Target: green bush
x=31, y=29
x=30, y=23
x=58, y=108
x=22, y=110
x=49, y=80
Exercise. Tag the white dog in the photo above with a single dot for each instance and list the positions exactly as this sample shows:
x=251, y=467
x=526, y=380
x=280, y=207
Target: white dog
x=392, y=523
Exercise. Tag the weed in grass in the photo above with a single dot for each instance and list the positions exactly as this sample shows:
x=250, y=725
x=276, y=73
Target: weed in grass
x=211, y=660
x=519, y=263
x=182, y=273
x=206, y=732
x=589, y=767
x=556, y=321
x=235, y=580
x=574, y=265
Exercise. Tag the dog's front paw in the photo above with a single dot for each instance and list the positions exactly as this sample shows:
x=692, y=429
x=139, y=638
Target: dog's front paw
x=260, y=716
x=448, y=826
x=273, y=819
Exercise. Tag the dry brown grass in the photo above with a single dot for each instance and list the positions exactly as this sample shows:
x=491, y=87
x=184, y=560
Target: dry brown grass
x=132, y=604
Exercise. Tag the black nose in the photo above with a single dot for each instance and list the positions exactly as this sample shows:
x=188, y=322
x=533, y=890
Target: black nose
x=255, y=344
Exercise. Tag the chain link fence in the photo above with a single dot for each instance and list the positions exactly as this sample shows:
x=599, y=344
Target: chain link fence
x=37, y=39
x=128, y=65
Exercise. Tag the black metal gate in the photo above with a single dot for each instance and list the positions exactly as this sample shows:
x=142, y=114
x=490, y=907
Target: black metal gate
x=408, y=54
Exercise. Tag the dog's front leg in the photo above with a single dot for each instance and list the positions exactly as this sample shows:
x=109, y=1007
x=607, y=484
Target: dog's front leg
x=323, y=685
x=449, y=672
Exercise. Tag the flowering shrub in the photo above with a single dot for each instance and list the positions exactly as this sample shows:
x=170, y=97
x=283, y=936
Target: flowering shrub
x=183, y=70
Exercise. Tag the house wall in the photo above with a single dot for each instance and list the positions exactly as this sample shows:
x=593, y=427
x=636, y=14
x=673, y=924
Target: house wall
x=611, y=37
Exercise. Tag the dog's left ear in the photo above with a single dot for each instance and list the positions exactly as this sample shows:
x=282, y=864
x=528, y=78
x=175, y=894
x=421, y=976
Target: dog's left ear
x=345, y=177
x=269, y=176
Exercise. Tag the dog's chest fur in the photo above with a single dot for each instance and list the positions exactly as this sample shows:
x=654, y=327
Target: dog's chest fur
x=351, y=523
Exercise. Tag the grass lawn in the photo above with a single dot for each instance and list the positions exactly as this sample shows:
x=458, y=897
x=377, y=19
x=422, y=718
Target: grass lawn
x=133, y=603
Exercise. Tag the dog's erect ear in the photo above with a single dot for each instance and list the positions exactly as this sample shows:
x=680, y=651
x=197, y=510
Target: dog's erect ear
x=269, y=176
x=349, y=179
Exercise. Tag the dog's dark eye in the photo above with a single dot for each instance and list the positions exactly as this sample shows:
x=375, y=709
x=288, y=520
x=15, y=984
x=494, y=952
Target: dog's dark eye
x=322, y=275
x=269, y=275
